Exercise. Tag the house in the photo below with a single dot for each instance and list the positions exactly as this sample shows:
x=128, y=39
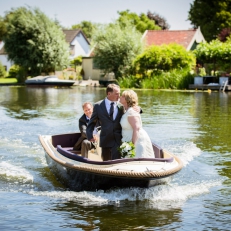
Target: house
x=90, y=70
x=78, y=45
x=4, y=57
x=187, y=38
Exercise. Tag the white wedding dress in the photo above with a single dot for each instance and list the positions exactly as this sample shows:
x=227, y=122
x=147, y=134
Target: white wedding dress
x=143, y=145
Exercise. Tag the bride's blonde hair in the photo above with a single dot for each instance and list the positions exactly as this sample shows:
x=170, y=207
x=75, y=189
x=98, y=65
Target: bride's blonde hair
x=130, y=97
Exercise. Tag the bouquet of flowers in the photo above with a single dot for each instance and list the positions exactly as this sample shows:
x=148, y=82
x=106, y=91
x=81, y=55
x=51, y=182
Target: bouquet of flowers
x=127, y=149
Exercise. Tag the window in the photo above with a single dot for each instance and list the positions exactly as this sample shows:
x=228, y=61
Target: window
x=72, y=50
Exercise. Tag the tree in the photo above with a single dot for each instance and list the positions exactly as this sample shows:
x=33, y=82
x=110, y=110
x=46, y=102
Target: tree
x=2, y=71
x=33, y=41
x=159, y=20
x=224, y=34
x=116, y=47
x=211, y=15
x=2, y=28
x=216, y=52
x=141, y=22
x=77, y=61
x=164, y=58
x=87, y=28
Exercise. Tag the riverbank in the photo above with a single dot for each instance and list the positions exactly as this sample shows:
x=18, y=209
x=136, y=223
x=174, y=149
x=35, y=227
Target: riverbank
x=82, y=83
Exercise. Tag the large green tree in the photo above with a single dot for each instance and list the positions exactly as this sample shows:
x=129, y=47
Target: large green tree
x=159, y=20
x=2, y=28
x=141, y=22
x=116, y=47
x=33, y=41
x=211, y=15
x=87, y=27
x=215, y=52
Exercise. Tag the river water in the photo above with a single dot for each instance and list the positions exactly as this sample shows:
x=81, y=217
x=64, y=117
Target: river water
x=195, y=126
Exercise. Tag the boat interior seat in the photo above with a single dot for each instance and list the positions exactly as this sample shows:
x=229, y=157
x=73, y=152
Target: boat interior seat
x=70, y=149
x=92, y=155
x=68, y=154
x=158, y=151
x=78, y=152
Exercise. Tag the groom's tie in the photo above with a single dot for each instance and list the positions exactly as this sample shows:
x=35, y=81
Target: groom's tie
x=111, y=110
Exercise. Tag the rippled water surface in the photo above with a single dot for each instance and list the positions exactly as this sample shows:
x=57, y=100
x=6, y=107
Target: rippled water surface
x=195, y=126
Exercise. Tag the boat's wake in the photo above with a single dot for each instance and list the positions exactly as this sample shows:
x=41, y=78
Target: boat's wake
x=162, y=197
x=186, y=151
x=193, y=180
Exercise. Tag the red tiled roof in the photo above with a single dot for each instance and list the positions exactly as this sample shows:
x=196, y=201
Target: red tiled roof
x=159, y=37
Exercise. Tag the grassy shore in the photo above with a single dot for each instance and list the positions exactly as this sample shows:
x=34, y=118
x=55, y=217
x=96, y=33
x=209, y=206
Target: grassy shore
x=8, y=81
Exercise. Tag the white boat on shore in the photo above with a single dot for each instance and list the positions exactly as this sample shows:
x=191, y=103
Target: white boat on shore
x=49, y=80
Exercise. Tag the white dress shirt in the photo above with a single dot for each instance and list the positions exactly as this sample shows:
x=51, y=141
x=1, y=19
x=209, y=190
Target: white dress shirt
x=108, y=105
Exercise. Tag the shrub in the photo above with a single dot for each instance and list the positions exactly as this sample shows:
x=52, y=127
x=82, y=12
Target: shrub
x=129, y=82
x=77, y=61
x=2, y=71
x=174, y=79
x=159, y=59
x=18, y=73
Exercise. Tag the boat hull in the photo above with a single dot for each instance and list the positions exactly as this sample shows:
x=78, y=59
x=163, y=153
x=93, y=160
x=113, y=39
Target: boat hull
x=48, y=81
x=59, y=84
x=89, y=174
x=78, y=180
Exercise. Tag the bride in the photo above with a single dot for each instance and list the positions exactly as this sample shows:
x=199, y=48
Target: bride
x=132, y=126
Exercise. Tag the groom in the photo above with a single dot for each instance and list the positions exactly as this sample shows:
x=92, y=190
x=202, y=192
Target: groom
x=108, y=113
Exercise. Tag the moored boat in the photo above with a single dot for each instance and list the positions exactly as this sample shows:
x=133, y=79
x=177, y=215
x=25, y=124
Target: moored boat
x=50, y=80
x=79, y=173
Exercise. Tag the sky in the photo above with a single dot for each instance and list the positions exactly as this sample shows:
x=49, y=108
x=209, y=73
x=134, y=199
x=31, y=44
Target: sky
x=71, y=12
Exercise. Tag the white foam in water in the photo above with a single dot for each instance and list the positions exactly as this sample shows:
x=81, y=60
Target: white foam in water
x=162, y=197
x=186, y=151
x=189, y=152
x=165, y=196
x=22, y=179
x=28, y=149
x=14, y=173
x=15, y=143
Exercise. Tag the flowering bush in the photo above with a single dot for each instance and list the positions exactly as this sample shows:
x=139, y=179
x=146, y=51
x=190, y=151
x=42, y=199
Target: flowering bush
x=127, y=149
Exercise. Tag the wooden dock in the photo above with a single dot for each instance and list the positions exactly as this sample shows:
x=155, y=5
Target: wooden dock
x=211, y=83
x=208, y=87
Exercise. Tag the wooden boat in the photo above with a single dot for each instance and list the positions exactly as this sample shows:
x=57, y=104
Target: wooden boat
x=79, y=173
x=50, y=80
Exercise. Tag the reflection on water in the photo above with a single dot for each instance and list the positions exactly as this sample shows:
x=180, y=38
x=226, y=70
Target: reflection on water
x=104, y=217
x=213, y=113
x=27, y=103
x=192, y=125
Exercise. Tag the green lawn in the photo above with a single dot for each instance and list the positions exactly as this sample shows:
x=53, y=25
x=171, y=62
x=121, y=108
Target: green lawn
x=8, y=80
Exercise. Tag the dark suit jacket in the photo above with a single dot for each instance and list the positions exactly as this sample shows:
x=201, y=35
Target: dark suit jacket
x=82, y=129
x=110, y=134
